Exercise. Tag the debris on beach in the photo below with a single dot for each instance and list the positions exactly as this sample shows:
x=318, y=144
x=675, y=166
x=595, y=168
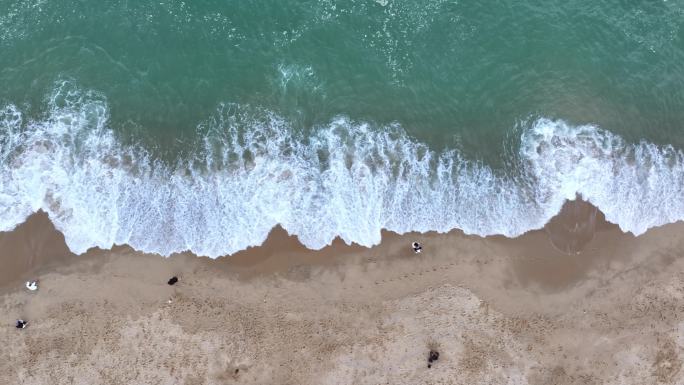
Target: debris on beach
x=173, y=280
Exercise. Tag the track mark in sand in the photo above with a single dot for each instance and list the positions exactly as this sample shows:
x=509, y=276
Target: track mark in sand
x=667, y=363
x=401, y=276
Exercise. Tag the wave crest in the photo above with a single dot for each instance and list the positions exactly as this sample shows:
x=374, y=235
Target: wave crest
x=347, y=179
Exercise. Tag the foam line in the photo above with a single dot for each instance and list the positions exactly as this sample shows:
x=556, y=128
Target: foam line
x=348, y=179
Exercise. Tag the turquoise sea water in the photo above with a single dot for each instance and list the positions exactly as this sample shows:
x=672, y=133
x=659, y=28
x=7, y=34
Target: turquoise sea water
x=200, y=125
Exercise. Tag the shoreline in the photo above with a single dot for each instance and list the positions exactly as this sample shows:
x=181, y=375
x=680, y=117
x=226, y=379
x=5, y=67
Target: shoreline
x=36, y=244
x=499, y=310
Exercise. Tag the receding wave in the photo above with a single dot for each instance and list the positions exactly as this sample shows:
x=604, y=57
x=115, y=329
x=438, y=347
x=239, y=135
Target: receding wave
x=347, y=180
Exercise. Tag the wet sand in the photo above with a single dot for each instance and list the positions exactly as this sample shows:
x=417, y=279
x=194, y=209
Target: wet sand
x=499, y=311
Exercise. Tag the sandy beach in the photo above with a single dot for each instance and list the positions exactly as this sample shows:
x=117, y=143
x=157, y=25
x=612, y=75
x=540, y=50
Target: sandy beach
x=499, y=311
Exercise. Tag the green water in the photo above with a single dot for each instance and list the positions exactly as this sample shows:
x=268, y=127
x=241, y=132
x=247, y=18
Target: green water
x=201, y=125
x=452, y=73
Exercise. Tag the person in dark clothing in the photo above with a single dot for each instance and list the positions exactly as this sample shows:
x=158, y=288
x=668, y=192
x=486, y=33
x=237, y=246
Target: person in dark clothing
x=432, y=357
x=417, y=248
x=173, y=280
x=21, y=324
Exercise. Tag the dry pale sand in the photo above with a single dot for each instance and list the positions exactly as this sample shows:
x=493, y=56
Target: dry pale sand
x=499, y=311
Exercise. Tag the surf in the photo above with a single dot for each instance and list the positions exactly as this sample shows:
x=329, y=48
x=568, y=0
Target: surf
x=252, y=171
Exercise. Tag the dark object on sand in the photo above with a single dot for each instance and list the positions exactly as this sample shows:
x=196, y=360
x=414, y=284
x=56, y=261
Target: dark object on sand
x=432, y=357
x=173, y=280
x=417, y=248
x=21, y=324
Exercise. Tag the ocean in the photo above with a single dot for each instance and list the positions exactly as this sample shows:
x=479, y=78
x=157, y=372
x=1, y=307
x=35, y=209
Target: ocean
x=200, y=126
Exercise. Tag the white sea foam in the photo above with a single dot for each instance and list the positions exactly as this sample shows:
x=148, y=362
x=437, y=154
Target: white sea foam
x=347, y=179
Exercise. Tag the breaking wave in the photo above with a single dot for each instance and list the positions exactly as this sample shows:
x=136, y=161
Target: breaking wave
x=347, y=179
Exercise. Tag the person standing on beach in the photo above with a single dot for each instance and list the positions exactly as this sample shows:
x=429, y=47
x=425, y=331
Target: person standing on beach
x=32, y=285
